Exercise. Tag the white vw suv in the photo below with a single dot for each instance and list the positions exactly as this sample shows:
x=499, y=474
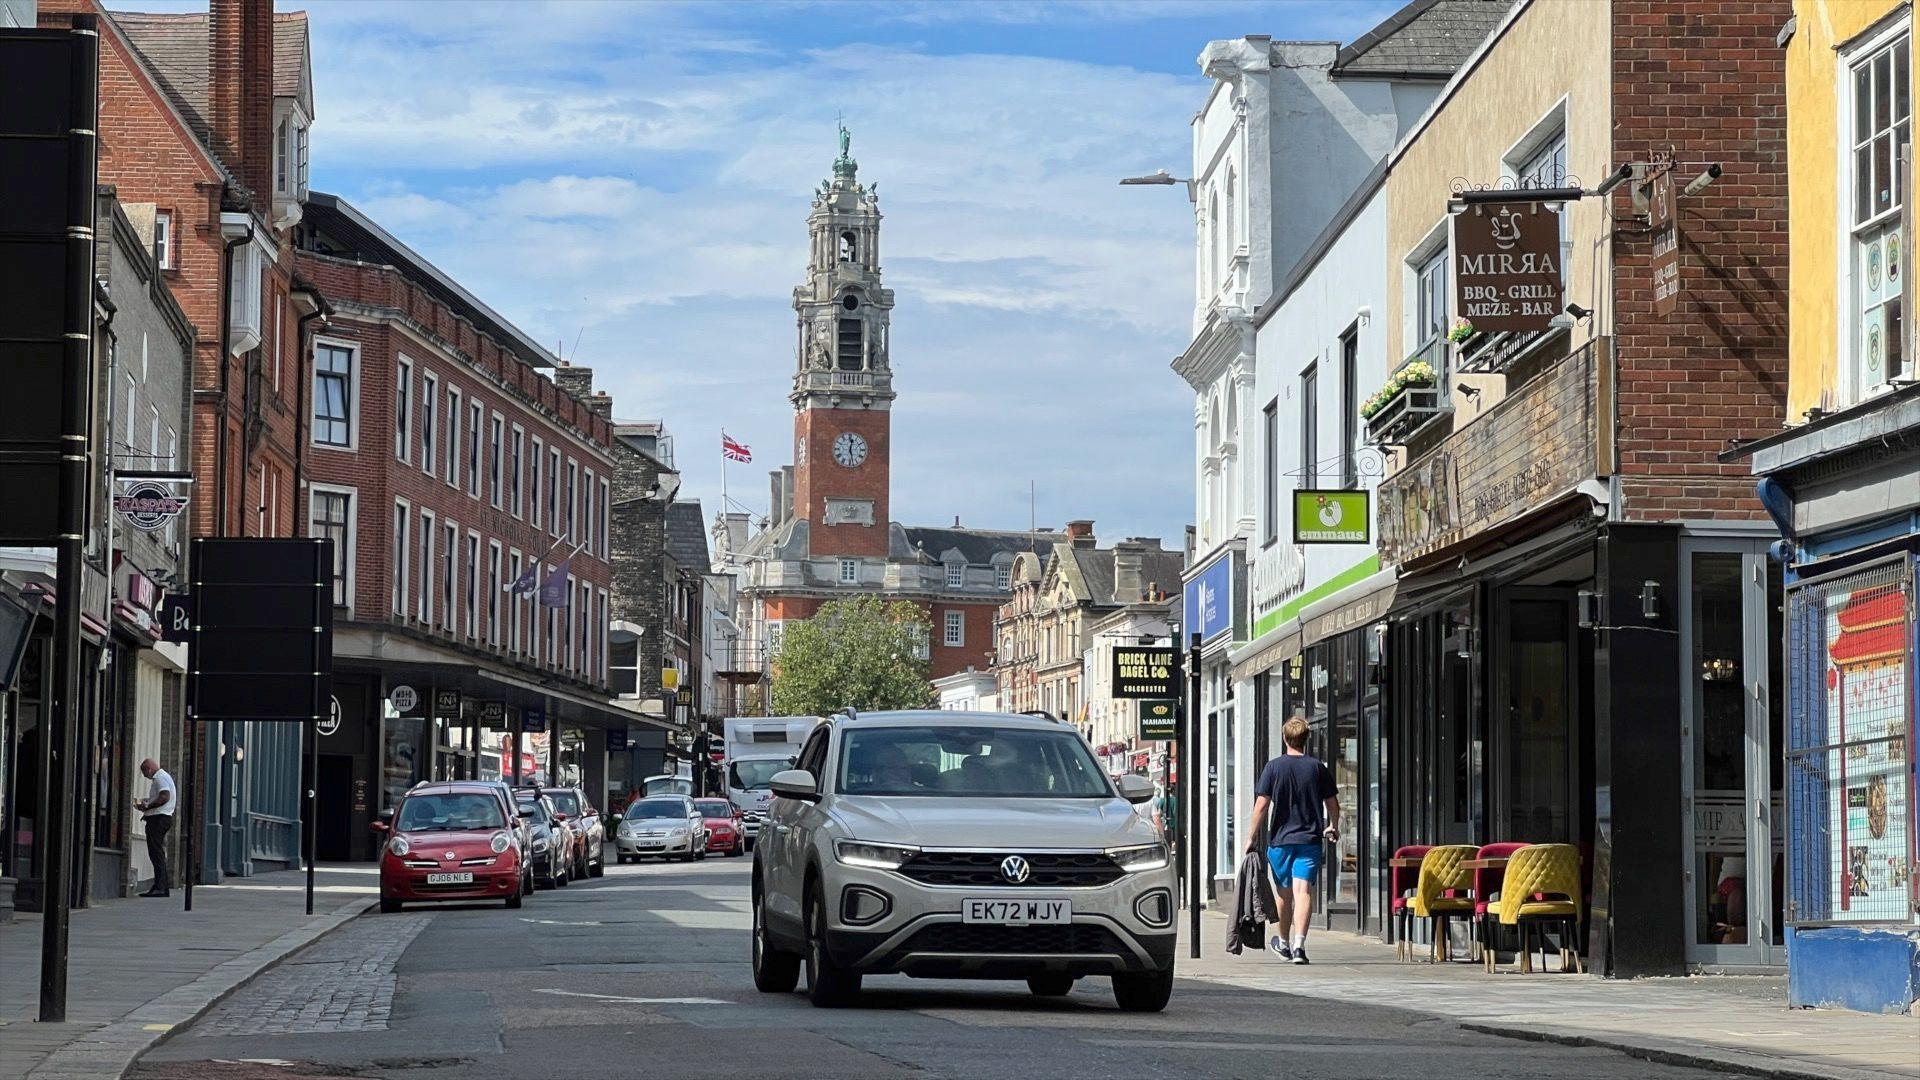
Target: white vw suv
x=959, y=845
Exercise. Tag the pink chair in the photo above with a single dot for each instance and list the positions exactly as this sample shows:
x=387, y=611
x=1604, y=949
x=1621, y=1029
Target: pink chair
x=1486, y=890
x=1401, y=881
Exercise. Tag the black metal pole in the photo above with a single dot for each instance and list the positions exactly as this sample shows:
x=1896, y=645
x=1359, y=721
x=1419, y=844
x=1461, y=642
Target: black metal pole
x=191, y=808
x=1189, y=746
x=309, y=776
x=76, y=372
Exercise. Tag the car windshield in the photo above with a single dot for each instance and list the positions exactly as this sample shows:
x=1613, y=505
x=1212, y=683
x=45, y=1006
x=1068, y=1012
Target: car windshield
x=537, y=808
x=455, y=810
x=715, y=808
x=566, y=802
x=653, y=808
x=756, y=774
x=666, y=785
x=1002, y=762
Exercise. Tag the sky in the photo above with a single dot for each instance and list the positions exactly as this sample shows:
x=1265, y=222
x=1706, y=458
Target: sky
x=629, y=183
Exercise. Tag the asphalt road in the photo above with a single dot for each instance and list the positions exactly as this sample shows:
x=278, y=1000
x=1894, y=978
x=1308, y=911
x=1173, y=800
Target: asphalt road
x=644, y=973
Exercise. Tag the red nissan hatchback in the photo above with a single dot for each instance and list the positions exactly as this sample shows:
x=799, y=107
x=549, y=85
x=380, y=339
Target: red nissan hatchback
x=450, y=841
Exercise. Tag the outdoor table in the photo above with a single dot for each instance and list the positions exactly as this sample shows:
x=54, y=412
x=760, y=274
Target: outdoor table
x=1491, y=862
x=1405, y=862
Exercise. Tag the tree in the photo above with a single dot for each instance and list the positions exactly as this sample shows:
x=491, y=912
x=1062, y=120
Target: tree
x=857, y=652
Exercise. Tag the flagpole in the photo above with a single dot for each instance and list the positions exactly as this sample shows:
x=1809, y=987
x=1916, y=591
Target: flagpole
x=723, y=471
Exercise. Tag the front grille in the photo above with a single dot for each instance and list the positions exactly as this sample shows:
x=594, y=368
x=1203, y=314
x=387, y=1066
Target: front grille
x=1069, y=938
x=982, y=868
x=477, y=862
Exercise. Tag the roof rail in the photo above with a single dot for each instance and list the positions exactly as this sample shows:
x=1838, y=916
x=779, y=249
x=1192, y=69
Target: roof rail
x=851, y=713
x=1042, y=714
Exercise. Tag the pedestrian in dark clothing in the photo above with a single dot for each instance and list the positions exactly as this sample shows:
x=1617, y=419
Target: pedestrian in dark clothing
x=1299, y=791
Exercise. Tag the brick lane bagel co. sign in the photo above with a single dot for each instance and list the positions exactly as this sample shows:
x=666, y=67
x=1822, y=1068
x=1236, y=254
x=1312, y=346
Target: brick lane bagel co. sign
x=1506, y=266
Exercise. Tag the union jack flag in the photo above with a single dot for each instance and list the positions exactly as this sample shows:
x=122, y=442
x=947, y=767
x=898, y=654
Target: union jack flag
x=734, y=450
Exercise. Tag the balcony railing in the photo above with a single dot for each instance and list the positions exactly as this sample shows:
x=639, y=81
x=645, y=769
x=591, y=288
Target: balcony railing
x=1543, y=440
x=857, y=380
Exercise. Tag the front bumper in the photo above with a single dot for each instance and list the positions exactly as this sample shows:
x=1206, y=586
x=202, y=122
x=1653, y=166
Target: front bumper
x=655, y=845
x=717, y=842
x=401, y=882
x=923, y=932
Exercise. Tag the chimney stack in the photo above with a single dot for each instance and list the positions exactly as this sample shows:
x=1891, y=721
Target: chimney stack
x=1081, y=533
x=789, y=487
x=577, y=381
x=240, y=70
x=1129, y=585
x=602, y=403
x=776, y=497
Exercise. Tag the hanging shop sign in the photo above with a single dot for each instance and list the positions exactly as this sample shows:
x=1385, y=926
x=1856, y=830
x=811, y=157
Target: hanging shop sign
x=446, y=704
x=493, y=715
x=405, y=699
x=1209, y=599
x=616, y=740
x=1507, y=272
x=332, y=722
x=1146, y=671
x=1666, y=242
x=1330, y=517
x=1160, y=720
x=176, y=617
x=533, y=720
x=148, y=506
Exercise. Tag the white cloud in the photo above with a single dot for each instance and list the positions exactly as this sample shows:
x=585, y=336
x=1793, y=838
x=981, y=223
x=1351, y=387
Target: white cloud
x=656, y=206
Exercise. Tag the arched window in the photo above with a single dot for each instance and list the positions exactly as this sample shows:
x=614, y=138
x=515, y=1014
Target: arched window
x=1232, y=237
x=1213, y=234
x=849, y=249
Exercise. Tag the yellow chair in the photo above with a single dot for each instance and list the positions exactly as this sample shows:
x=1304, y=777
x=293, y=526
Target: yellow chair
x=1550, y=872
x=1444, y=893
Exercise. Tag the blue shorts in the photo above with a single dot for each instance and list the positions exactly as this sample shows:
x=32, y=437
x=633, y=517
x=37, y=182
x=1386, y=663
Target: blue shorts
x=1294, y=862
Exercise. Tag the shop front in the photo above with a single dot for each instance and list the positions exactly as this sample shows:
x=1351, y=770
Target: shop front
x=1844, y=491
x=1214, y=599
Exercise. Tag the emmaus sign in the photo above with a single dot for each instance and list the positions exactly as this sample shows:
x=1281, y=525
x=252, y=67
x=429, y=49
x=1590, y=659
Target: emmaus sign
x=1507, y=266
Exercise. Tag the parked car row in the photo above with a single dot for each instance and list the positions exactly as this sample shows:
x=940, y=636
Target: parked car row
x=485, y=839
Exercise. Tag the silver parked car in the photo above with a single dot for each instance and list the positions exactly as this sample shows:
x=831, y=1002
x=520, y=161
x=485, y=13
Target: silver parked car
x=669, y=826
x=959, y=845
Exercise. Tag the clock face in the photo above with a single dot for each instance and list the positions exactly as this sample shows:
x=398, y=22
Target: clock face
x=849, y=449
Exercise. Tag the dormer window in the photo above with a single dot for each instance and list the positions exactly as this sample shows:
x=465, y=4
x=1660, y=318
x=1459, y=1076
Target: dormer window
x=290, y=154
x=956, y=575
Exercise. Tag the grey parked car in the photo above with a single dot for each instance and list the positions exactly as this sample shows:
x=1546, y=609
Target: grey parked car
x=552, y=841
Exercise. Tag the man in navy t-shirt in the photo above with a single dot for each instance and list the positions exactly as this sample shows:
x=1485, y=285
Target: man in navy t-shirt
x=1299, y=791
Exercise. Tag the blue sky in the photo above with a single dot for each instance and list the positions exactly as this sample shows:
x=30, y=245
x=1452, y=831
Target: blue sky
x=636, y=177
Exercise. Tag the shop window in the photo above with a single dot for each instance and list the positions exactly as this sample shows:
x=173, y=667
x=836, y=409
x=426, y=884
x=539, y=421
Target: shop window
x=1849, y=746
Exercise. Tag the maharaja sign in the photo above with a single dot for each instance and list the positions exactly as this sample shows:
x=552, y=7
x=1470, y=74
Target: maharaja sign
x=1507, y=266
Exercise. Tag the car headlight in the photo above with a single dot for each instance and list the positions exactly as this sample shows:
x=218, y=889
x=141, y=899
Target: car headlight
x=399, y=846
x=873, y=856
x=1144, y=857
x=500, y=842
x=679, y=831
x=540, y=843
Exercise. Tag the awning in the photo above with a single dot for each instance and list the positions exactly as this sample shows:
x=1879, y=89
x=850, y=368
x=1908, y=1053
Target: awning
x=1359, y=604
x=1272, y=648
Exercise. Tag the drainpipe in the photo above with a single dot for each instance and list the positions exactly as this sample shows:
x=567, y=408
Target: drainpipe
x=226, y=335
x=321, y=310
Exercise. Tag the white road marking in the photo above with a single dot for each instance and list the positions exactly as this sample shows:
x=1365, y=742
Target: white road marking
x=562, y=922
x=637, y=1000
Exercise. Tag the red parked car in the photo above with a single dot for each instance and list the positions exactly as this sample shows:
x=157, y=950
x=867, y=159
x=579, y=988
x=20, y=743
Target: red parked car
x=450, y=841
x=724, y=830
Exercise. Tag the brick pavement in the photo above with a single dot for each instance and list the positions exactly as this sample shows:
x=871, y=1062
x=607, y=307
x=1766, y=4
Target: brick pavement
x=343, y=982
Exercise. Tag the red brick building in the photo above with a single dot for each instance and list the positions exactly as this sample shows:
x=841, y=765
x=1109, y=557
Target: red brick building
x=448, y=466
x=830, y=533
x=203, y=131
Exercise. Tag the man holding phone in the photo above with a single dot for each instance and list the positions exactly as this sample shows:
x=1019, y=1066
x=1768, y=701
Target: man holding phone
x=1298, y=789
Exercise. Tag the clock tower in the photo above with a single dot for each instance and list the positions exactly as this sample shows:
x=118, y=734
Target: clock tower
x=843, y=388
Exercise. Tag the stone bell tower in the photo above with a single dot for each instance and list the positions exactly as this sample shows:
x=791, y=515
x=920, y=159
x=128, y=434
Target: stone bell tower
x=843, y=387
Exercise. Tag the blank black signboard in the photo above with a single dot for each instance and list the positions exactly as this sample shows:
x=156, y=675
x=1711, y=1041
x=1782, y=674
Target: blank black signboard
x=262, y=641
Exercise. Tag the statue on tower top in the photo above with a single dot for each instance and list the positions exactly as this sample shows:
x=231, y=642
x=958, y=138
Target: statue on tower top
x=844, y=165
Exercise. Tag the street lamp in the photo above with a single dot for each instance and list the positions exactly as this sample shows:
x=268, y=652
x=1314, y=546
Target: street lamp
x=1161, y=179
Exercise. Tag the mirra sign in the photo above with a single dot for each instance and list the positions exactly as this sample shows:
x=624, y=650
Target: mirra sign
x=1506, y=266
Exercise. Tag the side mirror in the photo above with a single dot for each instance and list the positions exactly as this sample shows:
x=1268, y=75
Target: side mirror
x=1135, y=788
x=526, y=812
x=795, y=784
x=614, y=820
x=379, y=826
x=559, y=817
